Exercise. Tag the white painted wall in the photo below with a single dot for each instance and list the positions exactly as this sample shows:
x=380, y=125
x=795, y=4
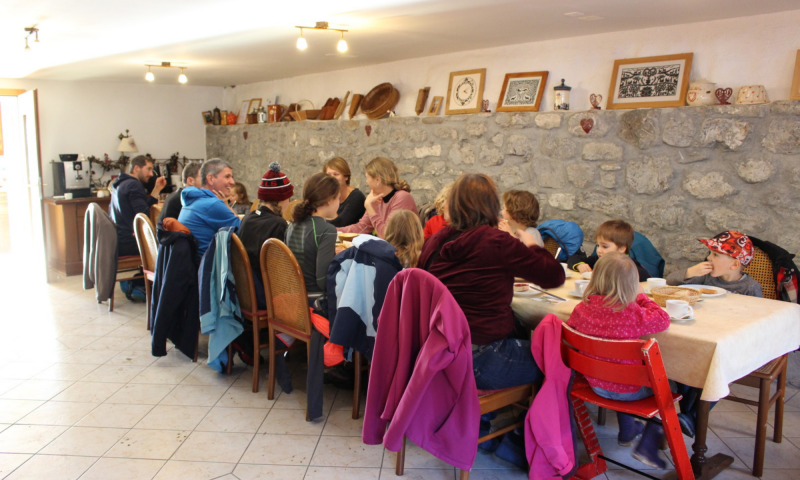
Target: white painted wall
x=87, y=117
x=757, y=50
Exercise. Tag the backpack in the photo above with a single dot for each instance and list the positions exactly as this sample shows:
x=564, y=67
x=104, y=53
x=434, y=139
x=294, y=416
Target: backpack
x=568, y=236
x=646, y=254
x=783, y=269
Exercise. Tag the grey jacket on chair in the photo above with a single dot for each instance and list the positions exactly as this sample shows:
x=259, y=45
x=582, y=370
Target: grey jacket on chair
x=99, y=252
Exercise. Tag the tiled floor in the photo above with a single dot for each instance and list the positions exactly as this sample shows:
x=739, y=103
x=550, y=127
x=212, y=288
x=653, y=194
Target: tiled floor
x=81, y=397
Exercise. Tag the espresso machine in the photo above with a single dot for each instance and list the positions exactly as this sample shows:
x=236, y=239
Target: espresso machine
x=72, y=176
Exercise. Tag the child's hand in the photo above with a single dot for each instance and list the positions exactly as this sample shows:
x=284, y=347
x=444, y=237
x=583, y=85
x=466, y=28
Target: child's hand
x=505, y=226
x=584, y=268
x=699, y=270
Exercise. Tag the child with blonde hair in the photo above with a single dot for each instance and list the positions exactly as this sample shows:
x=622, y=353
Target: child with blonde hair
x=615, y=307
x=240, y=203
x=438, y=221
x=404, y=233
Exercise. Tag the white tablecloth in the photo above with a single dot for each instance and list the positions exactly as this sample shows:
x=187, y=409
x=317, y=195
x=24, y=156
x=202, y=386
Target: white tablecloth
x=730, y=337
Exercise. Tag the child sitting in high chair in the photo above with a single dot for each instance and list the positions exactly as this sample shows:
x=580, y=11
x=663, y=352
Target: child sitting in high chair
x=615, y=307
x=611, y=236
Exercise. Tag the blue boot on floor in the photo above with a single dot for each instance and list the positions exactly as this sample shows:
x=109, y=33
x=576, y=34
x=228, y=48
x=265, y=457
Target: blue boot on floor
x=629, y=430
x=647, y=450
x=512, y=449
x=488, y=446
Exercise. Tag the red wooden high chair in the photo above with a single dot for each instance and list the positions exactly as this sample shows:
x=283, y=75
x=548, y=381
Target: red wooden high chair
x=648, y=372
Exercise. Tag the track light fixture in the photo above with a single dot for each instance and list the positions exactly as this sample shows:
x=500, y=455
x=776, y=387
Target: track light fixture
x=31, y=31
x=302, y=44
x=150, y=77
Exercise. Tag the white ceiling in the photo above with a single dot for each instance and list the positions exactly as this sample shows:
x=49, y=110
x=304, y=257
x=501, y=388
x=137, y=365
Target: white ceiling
x=243, y=41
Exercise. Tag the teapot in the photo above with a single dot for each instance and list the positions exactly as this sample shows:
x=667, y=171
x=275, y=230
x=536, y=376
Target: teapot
x=701, y=92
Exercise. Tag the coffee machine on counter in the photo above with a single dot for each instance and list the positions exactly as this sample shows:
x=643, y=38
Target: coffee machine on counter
x=72, y=175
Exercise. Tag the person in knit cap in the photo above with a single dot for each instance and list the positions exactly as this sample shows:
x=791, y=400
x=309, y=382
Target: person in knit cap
x=265, y=222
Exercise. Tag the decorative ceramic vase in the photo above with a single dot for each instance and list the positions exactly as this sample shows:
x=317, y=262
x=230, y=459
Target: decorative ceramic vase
x=232, y=118
x=701, y=92
x=751, y=95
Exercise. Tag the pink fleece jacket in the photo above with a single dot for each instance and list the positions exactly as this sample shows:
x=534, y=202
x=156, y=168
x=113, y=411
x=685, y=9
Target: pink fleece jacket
x=421, y=382
x=548, y=432
x=401, y=200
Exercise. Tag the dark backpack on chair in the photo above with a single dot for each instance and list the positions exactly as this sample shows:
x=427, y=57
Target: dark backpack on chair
x=782, y=279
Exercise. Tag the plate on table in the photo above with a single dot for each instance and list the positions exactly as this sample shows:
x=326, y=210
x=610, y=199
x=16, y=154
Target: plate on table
x=526, y=293
x=718, y=292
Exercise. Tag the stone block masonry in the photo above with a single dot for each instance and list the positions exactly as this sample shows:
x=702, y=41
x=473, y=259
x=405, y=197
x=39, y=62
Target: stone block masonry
x=675, y=174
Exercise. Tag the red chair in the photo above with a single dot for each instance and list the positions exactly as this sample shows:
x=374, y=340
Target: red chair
x=647, y=372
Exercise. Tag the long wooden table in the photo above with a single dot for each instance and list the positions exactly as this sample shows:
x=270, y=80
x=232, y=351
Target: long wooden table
x=730, y=337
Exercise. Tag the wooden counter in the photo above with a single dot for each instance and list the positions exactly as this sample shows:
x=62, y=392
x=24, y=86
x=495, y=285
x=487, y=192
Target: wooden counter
x=64, y=223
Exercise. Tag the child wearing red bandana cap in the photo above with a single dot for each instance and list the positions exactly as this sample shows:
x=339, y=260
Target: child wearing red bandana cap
x=731, y=251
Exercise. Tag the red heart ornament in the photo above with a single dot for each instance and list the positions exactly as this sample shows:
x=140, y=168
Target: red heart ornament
x=368, y=129
x=245, y=135
x=723, y=94
x=587, y=124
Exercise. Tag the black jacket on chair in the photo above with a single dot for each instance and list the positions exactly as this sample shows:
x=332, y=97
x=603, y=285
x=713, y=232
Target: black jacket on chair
x=175, y=307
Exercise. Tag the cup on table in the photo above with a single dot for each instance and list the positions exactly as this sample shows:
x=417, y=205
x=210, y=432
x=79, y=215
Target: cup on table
x=567, y=271
x=580, y=285
x=68, y=196
x=679, y=308
x=655, y=282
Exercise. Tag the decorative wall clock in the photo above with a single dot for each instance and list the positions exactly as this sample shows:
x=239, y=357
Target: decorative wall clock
x=465, y=92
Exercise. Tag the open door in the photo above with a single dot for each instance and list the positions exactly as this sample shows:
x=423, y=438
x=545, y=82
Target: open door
x=26, y=194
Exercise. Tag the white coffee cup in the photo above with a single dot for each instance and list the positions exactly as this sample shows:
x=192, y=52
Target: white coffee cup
x=566, y=268
x=655, y=282
x=68, y=196
x=580, y=285
x=679, y=309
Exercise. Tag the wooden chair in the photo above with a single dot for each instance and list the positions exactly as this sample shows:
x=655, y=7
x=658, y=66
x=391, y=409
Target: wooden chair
x=583, y=354
x=551, y=246
x=246, y=294
x=760, y=268
x=360, y=367
x=288, y=214
x=490, y=400
x=287, y=300
x=148, y=252
x=126, y=264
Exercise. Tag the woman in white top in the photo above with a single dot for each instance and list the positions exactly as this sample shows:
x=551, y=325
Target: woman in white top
x=520, y=216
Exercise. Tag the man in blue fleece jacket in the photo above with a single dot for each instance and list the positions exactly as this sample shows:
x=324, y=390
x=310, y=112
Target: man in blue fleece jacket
x=204, y=212
x=129, y=197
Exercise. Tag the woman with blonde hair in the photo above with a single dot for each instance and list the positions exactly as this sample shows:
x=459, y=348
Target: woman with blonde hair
x=438, y=221
x=388, y=194
x=351, y=200
x=404, y=233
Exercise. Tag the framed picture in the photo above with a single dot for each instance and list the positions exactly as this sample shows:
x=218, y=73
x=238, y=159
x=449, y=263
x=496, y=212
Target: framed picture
x=243, y=110
x=795, y=93
x=254, y=105
x=435, y=107
x=650, y=82
x=465, y=92
x=208, y=117
x=522, y=92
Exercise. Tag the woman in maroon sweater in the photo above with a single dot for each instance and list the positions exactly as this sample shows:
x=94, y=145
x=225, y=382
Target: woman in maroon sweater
x=478, y=263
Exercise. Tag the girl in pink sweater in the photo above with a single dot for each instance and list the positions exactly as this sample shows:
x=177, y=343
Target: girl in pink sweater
x=615, y=307
x=387, y=195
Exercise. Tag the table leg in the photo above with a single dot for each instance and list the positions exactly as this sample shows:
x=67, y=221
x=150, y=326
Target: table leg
x=706, y=468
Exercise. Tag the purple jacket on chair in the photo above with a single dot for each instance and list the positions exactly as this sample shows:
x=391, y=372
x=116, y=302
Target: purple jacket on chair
x=421, y=382
x=549, y=443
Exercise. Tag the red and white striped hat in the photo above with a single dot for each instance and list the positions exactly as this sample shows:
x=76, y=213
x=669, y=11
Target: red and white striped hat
x=275, y=186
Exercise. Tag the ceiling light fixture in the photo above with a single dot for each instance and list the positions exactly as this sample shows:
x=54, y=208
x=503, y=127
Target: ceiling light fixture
x=302, y=44
x=31, y=31
x=150, y=77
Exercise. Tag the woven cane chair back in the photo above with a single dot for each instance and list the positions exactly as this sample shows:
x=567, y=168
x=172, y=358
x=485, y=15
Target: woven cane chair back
x=146, y=240
x=287, y=298
x=551, y=246
x=243, y=275
x=760, y=268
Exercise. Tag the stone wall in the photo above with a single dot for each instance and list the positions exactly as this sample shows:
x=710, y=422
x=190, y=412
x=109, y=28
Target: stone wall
x=675, y=174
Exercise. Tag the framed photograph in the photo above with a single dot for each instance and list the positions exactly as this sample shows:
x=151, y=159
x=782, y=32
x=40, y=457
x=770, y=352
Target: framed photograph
x=650, y=82
x=795, y=93
x=254, y=105
x=208, y=117
x=242, y=118
x=465, y=92
x=522, y=92
x=435, y=107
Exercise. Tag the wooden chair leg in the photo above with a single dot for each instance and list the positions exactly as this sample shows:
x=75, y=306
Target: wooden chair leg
x=761, y=427
x=111, y=300
x=357, y=361
x=464, y=475
x=196, y=347
x=148, y=291
x=229, y=365
x=308, y=362
x=401, y=459
x=272, y=343
x=777, y=436
x=257, y=356
x=601, y=416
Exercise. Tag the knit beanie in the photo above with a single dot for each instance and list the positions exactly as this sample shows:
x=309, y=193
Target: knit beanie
x=275, y=186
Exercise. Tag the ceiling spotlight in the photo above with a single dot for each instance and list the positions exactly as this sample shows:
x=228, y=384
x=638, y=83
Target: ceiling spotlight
x=182, y=78
x=149, y=75
x=301, y=42
x=31, y=31
x=27, y=47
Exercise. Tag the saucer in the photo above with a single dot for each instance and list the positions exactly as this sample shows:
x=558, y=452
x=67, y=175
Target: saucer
x=684, y=319
x=575, y=293
x=528, y=293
